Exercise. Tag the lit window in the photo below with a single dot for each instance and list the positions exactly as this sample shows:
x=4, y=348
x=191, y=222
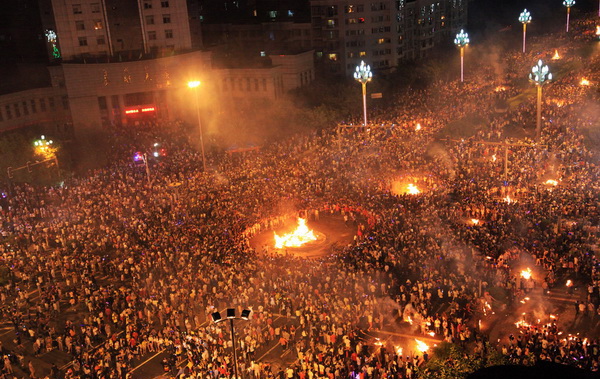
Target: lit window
x=166, y=18
x=272, y=14
x=331, y=23
x=362, y=53
x=290, y=13
x=333, y=56
x=169, y=33
x=381, y=40
x=97, y=24
x=350, y=9
x=83, y=41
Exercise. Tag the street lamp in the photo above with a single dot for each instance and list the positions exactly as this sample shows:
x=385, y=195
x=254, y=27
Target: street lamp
x=363, y=75
x=194, y=84
x=461, y=41
x=525, y=18
x=568, y=4
x=216, y=316
x=539, y=75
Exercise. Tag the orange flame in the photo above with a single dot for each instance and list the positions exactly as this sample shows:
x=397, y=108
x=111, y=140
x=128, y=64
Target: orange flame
x=598, y=30
x=421, y=346
x=399, y=350
x=508, y=199
x=431, y=334
x=526, y=274
x=475, y=221
x=411, y=189
x=500, y=88
x=418, y=127
x=569, y=283
x=584, y=82
x=297, y=238
x=409, y=320
x=556, y=55
x=552, y=182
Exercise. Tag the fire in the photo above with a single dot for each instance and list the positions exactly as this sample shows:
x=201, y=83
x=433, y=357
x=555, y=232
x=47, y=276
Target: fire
x=418, y=127
x=398, y=350
x=411, y=189
x=552, y=182
x=508, y=199
x=552, y=317
x=500, y=88
x=522, y=324
x=598, y=30
x=569, y=283
x=298, y=237
x=475, y=221
x=584, y=82
x=556, y=55
x=409, y=320
x=431, y=334
x=526, y=274
x=494, y=158
x=421, y=346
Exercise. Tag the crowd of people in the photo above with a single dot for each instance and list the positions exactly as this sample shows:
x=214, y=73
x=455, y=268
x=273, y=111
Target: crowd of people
x=109, y=269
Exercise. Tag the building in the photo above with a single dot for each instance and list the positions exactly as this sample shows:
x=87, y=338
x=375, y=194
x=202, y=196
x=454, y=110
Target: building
x=383, y=32
x=116, y=62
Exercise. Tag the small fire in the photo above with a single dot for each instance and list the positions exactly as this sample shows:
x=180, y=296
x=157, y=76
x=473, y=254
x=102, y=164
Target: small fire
x=508, y=199
x=500, y=88
x=598, y=30
x=421, y=346
x=411, y=189
x=409, y=320
x=378, y=342
x=431, y=334
x=494, y=159
x=399, y=351
x=552, y=317
x=526, y=274
x=475, y=221
x=522, y=324
x=551, y=182
x=556, y=55
x=569, y=283
x=584, y=82
x=298, y=237
x=418, y=127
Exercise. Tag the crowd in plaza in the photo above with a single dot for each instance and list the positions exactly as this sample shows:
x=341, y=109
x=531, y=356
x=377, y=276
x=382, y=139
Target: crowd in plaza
x=109, y=269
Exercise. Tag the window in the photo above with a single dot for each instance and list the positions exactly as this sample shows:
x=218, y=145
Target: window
x=149, y=20
x=361, y=20
x=351, y=21
x=350, y=9
x=97, y=24
x=95, y=7
x=362, y=54
x=164, y=4
x=102, y=103
x=248, y=86
x=77, y=9
x=147, y=4
x=17, y=110
x=380, y=41
x=83, y=41
x=25, y=109
x=79, y=25
x=166, y=18
x=256, y=84
x=151, y=36
x=264, y=84
x=100, y=40
x=43, y=105
x=8, y=112
x=272, y=14
x=333, y=57
x=65, y=102
x=33, y=107
x=331, y=23
x=169, y=33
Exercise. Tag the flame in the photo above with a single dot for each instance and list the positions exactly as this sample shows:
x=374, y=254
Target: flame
x=598, y=30
x=421, y=346
x=526, y=274
x=494, y=159
x=298, y=237
x=552, y=182
x=500, y=88
x=508, y=199
x=418, y=127
x=569, y=283
x=475, y=221
x=411, y=189
x=522, y=324
x=409, y=320
x=552, y=317
x=584, y=82
x=556, y=55
x=431, y=334
x=398, y=350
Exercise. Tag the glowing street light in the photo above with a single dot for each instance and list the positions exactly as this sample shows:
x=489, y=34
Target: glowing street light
x=194, y=84
x=461, y=41
x=568, y=4
x=216, y=316
x=525, y=18
x=539, y=75
x=363, y=75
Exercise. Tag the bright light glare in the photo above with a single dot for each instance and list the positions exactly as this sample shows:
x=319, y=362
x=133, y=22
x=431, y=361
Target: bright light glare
x=193, y=83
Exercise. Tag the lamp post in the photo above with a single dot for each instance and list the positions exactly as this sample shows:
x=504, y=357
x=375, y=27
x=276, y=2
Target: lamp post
x=539, y=75
x=568, y=4
x=525, y=18
x=194, y=84
x=363, y=75
x=461, y=41
x=216, y=316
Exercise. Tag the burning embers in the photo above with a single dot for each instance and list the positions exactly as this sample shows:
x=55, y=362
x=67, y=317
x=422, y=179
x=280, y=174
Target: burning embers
x=297, y=238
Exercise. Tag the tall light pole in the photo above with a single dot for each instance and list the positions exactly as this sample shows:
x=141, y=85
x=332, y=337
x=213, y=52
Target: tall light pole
x=216, y=316
x=525, y=18
x=461, y=41
x=194, y=84
x=539, y=76
x=568, y=4
x=363, y=75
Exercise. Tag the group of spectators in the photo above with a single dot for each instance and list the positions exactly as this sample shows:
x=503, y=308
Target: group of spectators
x=110, y=269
